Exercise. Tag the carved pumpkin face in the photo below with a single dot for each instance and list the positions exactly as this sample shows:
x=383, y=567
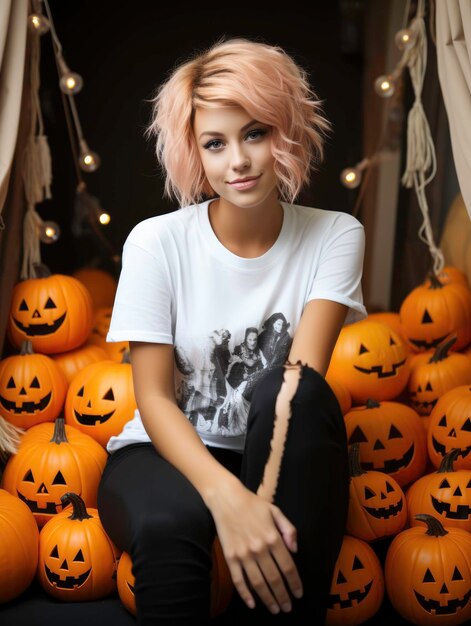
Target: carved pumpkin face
x=391, y=437
x=357, y=587
x=101, y=323
x=450, y=427
x=55, y=313
x=371, y=360
x=428, y=575
x=100, y=400
x=125, y=581
x=32, y=388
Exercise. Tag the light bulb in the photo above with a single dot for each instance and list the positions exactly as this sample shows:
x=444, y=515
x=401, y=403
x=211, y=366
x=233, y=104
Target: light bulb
x=38, y=24
x=49, y=232
x=104, y=218
x=404, y=39
x=89, y=161
x=71, y=82
x=385, y=85
x=350, y=177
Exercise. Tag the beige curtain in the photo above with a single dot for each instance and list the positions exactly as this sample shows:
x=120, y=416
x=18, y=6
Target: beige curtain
x=453, y=33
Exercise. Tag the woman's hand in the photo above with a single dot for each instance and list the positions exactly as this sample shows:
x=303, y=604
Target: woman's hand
x=254, y=535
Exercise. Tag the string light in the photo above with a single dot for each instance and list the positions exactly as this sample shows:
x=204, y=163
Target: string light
x=38, y=23
x=70, y=82
x=385, y=85
x=351, y=177
x=405, y=39
x=104, y=218
x=49, y=232
x=89, y=161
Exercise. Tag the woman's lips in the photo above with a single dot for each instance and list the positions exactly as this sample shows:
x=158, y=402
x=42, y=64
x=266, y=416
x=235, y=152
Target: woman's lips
x=246, y=185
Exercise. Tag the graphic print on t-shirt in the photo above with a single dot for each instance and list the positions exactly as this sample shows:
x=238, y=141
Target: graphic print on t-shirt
x=216, y=387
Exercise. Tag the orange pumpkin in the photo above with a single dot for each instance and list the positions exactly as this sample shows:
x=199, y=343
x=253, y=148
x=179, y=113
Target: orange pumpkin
x=391, y=319
x=428, y=574
x=222, y=588
x=357, y=588
x=19, y=538
x=450, y=427
x=341, y=393
x=391, y=438
x=450, y=274
x=100, y=399
x=53, y=459
x=430, y=313
x=101, y=285
x=432, y=376
x=71, y=363
x=377, y=506
x=77, y=559
x=371, y=360
x=32, y=388
x=55, y=312
x=97, y=337
x=445, y=494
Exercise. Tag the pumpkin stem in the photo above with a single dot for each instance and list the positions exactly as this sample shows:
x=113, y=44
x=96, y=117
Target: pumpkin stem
x=447, y=462
x=371, y=403
x=434, y=281
x=41, y=271
x=26, y=347
x=79, y=509
x=354, y=460
x=59, y=435
x=441, y=351
x=126, y=356
x=434, y=526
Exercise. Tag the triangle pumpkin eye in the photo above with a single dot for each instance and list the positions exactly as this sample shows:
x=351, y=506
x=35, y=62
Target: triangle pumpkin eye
x=468, y=486
x=357, y=564
x=428, y=578
x=80, y=392
x=341, y=578
x=35, y=383
x=456, y=574
x=467, y=425
x=11, y=383
x=444, y=484
x=50, y=304
x=389, y=487
x=394, y=433
x=79, y=556
x=362, y=349
x=369, y=493
x=428, y=387
x=442, y=421
x=55, y=552
x=59, y=479
x=392, y=342
x=23, y=306
x=357, y=436
x=29, y=477
x=426, y=319
x=109, y=395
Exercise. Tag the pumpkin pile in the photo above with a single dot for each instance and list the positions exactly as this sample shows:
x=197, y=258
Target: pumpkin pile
x=69, y=391
x=403, y=383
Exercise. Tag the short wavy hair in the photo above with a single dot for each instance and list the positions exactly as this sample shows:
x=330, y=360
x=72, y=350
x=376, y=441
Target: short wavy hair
x=262, y=79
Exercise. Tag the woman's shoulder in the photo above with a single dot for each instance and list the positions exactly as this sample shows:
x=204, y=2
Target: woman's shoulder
x=327, y=218
x=162, y=227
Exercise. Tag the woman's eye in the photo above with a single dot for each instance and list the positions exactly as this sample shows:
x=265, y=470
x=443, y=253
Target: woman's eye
x=257, y=132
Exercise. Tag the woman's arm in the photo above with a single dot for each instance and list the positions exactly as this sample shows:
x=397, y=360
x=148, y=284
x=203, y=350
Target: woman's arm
x=254, y=534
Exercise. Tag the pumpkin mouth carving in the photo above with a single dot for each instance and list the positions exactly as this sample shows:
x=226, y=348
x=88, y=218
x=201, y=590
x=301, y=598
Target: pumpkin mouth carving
x=131, y=587
x=40, y=329
x=424, y=404
x=70, y=581
x=422, y=343
x=51, y=507
x=90, y=419
x=358, y=595
x=378, y=369
x=385, y=512
x=441, y=449
x=435, y=606
x=26, y=407
x=391, y=465
x=463, y=511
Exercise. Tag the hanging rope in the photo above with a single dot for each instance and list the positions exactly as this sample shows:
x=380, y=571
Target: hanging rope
x=421, y=156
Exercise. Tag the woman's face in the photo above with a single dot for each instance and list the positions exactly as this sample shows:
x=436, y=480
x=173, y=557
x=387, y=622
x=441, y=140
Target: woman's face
x=278, y=325
x=241, y=149
x=251, y=340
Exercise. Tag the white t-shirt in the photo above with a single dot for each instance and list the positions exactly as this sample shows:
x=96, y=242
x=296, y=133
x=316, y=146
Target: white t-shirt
x=229, y=318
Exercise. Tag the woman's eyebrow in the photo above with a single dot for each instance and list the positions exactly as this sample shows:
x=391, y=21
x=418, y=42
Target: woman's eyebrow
x=215, y=132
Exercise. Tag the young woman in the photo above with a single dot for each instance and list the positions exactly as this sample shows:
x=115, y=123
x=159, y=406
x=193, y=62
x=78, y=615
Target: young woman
x=238, y=130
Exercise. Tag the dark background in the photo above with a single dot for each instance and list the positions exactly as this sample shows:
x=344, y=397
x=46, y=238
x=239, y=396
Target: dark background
x=123, y=52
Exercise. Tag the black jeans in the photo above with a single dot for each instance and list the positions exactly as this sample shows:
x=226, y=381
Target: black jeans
x=152, y=511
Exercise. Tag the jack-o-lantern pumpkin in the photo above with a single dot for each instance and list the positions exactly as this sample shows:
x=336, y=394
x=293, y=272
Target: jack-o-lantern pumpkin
x=55, y=312
x=222, y=588
x=100, y=399
x=450, y=427
x=428, y=574
x=53, y=459
x=19, y=538
x=432, y=376
x=71, y=363
x=445, y=493
x=357, y=588
x=32, y=388
x=97, y=337
x=377, y=505
x=77, y=559
x=391, y=437
x=371, y=360
x=101, y=285
x=430, y=313
x=391, y=319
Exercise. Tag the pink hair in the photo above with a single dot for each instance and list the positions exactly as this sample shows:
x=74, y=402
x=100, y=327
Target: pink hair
x=262, y=79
